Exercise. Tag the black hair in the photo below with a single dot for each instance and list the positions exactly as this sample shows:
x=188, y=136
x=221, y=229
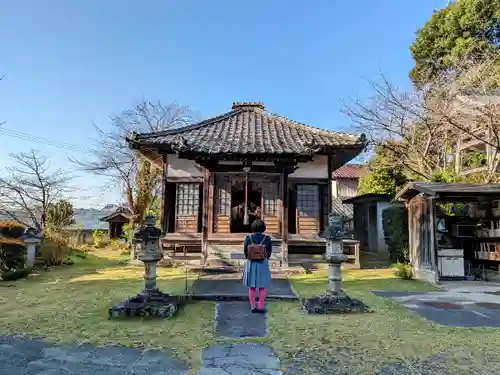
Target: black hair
x=258, y=226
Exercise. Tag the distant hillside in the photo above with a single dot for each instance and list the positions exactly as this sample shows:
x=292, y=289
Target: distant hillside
x=88, y=218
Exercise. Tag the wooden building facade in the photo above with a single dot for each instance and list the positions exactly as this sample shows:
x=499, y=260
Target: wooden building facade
x=222, y=173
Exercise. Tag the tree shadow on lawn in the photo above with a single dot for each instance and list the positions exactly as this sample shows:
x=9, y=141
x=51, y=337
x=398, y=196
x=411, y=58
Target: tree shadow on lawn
x=392, y=339
x=71, y=305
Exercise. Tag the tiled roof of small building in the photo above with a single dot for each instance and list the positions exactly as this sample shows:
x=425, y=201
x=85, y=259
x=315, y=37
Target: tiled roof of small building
x=342, y=209
x=351, y=171
x=248, y=129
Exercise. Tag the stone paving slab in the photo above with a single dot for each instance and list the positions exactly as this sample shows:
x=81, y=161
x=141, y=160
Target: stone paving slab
x=240, y=359
x=228, y=287
x=234, y=320
x=33, y=357
x=447, y=309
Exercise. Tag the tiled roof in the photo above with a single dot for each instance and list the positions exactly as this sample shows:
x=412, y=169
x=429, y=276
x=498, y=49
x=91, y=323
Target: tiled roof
x=342, y=209
x=248, y=129
x=351, y=171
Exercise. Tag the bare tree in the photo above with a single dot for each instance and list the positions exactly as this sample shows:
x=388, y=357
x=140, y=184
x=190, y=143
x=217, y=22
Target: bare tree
x=420, y=128
x=29, y=189
x=113, y=159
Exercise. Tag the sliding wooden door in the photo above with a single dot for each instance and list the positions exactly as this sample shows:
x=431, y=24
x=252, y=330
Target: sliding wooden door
x=270, y=206
x=308, y=209
x=222, y=204
x=187, y=207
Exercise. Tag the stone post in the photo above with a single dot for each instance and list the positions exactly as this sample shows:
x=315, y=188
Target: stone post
x=31, y=240
x=334, y=257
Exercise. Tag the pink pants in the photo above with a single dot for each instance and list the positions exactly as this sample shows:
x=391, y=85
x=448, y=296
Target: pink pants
x=252, y=296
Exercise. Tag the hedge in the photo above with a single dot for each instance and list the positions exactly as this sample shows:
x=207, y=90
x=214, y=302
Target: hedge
x=12, y=249
x=395, y=224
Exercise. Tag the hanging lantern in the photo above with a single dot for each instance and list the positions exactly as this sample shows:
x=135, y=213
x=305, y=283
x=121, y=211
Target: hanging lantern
x=246, y=219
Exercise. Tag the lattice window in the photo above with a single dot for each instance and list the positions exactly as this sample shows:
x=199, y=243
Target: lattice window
x=270, y=195
x=223, y=196
x=308, y=203
x=188, y=199
x=325, y=206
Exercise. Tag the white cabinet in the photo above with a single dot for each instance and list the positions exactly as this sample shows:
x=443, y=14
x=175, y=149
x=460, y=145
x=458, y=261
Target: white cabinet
x=451, y=262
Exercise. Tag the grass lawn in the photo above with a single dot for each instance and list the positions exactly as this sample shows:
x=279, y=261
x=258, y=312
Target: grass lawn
x=69, y=304
x=363, y=343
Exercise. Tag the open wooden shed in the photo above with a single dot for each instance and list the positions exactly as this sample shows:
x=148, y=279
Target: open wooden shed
x=116, y=220
x=454, y=230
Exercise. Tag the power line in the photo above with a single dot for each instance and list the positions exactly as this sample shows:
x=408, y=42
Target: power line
x=42, y=140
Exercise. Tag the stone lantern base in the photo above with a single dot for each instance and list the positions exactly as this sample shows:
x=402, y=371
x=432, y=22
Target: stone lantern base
x=146, y=304
x=334, y=300
x=333, y=303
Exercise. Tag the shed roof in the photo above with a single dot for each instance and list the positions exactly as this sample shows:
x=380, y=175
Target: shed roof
x=447, y=190
x=342, y=209
x=368, y=197
x=120, y=211
x=248, y=129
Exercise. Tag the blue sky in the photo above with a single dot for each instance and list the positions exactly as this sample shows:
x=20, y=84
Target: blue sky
x=71, y=63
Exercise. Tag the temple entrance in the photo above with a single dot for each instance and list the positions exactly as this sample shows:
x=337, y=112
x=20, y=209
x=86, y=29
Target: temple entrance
x=254, y=201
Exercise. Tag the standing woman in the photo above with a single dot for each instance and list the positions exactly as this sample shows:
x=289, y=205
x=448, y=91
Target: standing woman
x=256, y=275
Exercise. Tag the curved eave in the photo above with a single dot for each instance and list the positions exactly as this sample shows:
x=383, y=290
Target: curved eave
x=343, y=153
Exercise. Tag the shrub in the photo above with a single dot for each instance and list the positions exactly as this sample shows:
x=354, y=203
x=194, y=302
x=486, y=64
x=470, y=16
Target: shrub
x=127, y=232
x=12, y=249
x=16, y=274
x=54, y=249
x=402, y=270
x=395, y=224
x=98, y=238
x=12, y=254
x=11, y=229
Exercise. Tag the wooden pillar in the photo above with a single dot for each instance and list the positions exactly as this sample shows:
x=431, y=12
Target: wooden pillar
x=164, y=203
x=330, y=186
x=205, y=214
x=432, y=231
x=411, y=233
x=284, y=217
x=211, y=202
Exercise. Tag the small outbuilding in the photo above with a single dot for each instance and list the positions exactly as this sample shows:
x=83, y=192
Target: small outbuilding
x=368, y=229
x=116, y=220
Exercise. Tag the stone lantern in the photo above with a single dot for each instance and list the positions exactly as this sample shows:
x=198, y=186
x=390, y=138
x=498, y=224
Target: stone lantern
x=334, y=257
x=150, y=301
x=334, y=300
x=31, y=238
x=146, y=242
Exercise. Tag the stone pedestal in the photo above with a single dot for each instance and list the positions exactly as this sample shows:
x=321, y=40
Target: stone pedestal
x=334, y=300
x=150, y=301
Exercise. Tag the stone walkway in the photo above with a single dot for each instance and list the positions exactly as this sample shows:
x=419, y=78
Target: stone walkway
x=234, y=320
x=463, y=305
x=239, y=359
x=229, y=287
x=33, y=357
